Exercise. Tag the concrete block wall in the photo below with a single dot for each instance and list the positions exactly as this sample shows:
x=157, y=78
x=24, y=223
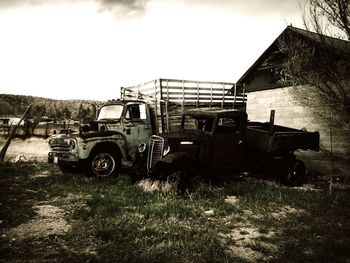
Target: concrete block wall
x=290, y=114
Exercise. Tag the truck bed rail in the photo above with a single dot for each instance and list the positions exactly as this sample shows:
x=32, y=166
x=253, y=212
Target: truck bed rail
x=170, y=97
x=187, y=92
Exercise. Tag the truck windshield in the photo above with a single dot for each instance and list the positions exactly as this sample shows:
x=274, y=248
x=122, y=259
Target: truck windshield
x=110, y=112
x=198, y=123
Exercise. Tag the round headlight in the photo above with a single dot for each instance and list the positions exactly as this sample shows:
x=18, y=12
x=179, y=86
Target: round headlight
x=72, y=144
x=166, y=150
x=142, y=147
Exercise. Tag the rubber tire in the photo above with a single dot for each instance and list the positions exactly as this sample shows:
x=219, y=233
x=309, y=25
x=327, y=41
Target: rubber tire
x=104, y=163
x=188, y=175
x=183, y=173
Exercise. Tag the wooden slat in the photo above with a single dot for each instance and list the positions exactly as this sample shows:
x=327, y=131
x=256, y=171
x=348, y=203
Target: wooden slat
x=179, y=99
x=180, y=96
x=196, y=87
x=172, y=89
x=187, y=95
x=193, y=98
x=179, y=88
x=201, y=95
x=199, y=82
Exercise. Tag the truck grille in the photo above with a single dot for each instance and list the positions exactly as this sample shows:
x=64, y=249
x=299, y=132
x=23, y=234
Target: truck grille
x=59, y=144
x=155, y=151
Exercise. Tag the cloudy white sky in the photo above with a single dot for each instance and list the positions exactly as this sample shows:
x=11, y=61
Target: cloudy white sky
x=87, y=49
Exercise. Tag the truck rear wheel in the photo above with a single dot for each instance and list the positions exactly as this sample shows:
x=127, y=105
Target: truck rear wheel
x=104, y=163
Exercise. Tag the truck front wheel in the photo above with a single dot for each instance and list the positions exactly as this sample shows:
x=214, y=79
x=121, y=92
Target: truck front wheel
x=185, y=174
x=104, y=163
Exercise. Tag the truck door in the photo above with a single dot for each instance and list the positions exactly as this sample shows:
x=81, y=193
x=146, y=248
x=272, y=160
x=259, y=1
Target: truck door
x=136, y=124
x=227, y=148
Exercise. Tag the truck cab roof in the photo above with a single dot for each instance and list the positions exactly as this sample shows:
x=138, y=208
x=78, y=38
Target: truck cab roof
x=122, y=102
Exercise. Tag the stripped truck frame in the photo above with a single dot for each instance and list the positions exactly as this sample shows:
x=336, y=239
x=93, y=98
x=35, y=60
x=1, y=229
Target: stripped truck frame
x=214, y=141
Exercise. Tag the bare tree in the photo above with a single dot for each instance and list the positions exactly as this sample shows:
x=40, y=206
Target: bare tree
x=324, y=15
x=319, y=62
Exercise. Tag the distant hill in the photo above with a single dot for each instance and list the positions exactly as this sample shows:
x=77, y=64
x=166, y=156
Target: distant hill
x=57, y=109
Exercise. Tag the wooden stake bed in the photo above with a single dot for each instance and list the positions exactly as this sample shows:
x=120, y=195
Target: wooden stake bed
x=168, y=98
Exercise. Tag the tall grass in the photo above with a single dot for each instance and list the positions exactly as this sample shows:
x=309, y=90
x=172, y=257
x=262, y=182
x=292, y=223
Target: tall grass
x=119, y=222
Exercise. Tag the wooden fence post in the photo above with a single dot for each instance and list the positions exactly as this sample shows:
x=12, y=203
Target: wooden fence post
x=9, y=138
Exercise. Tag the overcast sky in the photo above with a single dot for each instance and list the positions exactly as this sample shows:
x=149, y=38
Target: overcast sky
x=83, y=49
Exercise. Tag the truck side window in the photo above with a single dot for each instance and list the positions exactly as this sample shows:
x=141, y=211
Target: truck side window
x=136, y=112
x=208, y=125
x=205, y=124
x=226, y=125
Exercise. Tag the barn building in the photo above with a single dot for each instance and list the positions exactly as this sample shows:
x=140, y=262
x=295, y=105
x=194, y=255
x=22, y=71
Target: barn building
x=266, y=92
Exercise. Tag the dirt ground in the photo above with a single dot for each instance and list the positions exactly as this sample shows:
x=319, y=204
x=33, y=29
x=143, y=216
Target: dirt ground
x=35, y=224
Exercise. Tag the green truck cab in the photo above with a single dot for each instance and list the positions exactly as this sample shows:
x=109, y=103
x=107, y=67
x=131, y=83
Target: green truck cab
x=103, y=145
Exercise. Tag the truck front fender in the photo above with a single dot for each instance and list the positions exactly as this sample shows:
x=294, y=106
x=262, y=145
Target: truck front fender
x=175, y=157
x=87, y=146
x=176, y=162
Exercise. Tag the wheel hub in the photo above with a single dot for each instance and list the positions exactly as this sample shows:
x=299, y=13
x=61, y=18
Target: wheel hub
x=103, y=164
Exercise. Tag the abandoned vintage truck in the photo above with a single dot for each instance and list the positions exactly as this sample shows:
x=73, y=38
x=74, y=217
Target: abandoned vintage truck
x=123, y=125
x=214, y=140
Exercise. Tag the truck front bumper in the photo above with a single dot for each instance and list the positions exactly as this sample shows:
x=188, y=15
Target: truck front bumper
x=62, y=158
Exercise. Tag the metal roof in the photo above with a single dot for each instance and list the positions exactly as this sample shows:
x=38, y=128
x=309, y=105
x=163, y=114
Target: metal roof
x=337, y=44
x=332, y=42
